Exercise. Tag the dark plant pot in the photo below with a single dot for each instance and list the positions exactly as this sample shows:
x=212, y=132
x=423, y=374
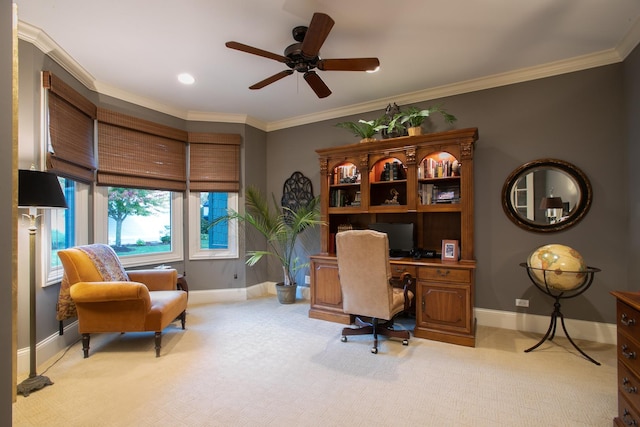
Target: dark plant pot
x=286, y=294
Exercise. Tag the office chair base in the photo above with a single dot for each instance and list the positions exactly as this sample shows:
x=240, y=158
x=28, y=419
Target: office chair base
x=375, y=328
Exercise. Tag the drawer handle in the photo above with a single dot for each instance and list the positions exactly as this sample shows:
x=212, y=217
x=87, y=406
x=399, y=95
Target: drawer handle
x=626, y=321
x=627, y=388
x=628, y=354
x=444, y=273
x=630, y=421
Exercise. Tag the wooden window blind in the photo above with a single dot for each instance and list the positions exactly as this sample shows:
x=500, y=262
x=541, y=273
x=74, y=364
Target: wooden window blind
x=71, y=122
x=137, y=153
x=214, y=162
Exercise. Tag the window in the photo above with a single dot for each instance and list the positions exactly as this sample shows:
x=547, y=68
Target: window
x=64, y=228
x=219, y=241
x=143, y=226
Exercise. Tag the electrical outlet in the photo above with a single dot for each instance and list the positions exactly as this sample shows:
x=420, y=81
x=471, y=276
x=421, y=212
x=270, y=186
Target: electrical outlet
x=522, y=302
x=307, y=280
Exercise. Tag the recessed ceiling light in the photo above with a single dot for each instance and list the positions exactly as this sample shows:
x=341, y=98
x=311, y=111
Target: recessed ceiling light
x=186, y=78
x=375, y=70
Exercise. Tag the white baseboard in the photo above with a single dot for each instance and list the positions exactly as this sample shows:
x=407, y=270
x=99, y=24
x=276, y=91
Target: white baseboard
x=241, y=294
x=48, y=348
x=579, y=329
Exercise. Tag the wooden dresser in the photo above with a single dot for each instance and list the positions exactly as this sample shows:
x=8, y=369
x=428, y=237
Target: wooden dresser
x=628, y=326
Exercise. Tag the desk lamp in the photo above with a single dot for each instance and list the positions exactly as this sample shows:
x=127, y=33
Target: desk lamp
x=36, y=190
x=553, y=207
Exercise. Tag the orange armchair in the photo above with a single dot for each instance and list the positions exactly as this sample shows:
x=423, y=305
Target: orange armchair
x=109, y=299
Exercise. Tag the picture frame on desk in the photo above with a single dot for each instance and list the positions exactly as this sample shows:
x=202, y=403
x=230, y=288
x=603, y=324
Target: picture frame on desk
x=450, y=251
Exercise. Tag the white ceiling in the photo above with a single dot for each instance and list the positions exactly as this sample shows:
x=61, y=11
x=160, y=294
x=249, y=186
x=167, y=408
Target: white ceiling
x=134, y=49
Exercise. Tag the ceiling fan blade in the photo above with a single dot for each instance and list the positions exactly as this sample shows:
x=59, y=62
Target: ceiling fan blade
x=317, y=33
x=349, y=64
x=272, y=79
x=255, y=51
x=316, y=83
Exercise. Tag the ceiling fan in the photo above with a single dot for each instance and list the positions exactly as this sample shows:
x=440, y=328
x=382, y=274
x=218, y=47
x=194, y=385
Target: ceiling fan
x=304, y=56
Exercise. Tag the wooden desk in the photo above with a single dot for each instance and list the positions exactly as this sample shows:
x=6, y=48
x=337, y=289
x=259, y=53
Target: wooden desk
x=444, y=298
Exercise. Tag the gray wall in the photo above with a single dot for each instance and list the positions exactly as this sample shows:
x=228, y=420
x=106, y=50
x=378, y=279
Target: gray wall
x=7, y=221
x=631, y=84
x=576, y=117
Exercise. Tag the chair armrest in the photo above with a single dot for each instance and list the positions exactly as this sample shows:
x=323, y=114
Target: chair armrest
x=87, y=292
x=408, y=284
x=156, y=279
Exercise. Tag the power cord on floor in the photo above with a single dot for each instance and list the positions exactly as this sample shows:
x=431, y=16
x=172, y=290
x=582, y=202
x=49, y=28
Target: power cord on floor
x=61, y=356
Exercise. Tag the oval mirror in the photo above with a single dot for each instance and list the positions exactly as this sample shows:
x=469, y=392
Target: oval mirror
x=546, y=195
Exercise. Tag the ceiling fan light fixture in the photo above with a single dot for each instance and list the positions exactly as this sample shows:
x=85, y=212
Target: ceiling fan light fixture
x=304, y=56
x=375, y=70
x=186, y=79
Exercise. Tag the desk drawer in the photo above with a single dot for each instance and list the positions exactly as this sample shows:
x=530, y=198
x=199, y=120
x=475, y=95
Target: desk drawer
x=398, y=269
x=444, y=274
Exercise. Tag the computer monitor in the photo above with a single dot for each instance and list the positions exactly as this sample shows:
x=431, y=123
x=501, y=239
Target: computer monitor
x=400, y=236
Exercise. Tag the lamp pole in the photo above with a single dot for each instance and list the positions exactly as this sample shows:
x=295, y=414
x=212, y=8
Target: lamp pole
x=35, y=381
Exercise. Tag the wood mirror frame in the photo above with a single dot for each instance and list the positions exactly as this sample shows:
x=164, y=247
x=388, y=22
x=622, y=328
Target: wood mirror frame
x=529, y=188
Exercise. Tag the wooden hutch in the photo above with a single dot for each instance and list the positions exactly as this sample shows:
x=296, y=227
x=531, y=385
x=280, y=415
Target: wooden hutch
x=426, y=180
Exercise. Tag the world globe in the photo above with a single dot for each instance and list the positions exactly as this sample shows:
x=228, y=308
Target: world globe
x=558, y=267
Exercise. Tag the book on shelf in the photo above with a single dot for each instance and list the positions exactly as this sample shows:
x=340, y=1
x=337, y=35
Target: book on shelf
x=436, y=194
x=432, y=168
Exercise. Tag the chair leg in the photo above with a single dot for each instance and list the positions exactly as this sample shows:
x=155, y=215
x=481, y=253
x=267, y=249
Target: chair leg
x=158, y=341
x=85, y=344
x=374, y=350
x=183, y=318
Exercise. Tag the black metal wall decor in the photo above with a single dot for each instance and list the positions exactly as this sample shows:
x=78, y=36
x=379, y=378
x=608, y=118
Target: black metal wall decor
x=296, y=192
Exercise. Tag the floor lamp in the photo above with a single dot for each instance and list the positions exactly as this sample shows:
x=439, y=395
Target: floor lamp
x=36, y=190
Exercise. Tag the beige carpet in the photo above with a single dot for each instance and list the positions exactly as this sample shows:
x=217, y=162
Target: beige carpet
x=259, y=363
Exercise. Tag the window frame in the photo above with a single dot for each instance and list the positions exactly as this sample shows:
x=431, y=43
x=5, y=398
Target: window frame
x=53, y=275
x=198, y=253
x=101, y=224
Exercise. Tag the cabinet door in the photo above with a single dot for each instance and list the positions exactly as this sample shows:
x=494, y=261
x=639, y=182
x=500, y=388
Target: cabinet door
x=326, y=293
x=443, y=306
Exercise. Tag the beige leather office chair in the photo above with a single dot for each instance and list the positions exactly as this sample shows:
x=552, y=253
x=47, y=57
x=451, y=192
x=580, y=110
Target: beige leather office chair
x=367, y=288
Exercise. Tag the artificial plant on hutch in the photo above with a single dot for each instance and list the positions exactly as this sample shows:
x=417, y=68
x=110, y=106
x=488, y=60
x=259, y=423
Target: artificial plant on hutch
x=364, y=129
x=280, y=226
x=413, y=118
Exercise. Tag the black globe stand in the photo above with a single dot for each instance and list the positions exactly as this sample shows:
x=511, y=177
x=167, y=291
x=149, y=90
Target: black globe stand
x=557, y=295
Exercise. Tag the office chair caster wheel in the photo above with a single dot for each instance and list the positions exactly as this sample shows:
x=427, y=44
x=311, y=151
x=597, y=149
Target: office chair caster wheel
x=405, y=342
x=374, y=350
x=343, y=339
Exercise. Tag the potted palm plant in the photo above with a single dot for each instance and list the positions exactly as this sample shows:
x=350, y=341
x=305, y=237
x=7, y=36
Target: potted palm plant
x=281, y=227
x=413, y=118
x=365, y=129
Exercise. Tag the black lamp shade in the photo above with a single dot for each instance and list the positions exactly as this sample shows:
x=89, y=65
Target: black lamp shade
x=39, y=189
x=551, y=203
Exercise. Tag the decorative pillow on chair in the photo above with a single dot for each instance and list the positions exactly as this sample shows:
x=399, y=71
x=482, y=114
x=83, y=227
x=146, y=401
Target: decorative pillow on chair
x=106, y=261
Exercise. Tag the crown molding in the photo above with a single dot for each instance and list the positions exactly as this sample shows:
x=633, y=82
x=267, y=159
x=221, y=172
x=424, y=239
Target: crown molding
x=204, y=116
x=42, y=41
x=526, y=74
